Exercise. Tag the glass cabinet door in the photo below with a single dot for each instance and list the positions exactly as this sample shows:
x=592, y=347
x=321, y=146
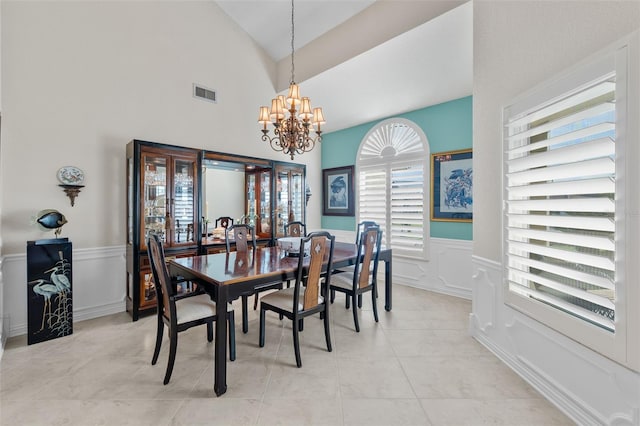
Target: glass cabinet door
x=282, y=200
x=183, y=202
x=297, y=196
x=258, y=202
x=289, y=197
x=154, y=196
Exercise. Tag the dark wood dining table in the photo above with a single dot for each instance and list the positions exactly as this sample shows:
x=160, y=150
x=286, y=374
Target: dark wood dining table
x=227, y=276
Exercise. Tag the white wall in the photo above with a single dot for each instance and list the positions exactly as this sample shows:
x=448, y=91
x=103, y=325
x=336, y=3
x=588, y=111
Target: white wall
x=3, y=332
x=518, y=45
x=81, y=79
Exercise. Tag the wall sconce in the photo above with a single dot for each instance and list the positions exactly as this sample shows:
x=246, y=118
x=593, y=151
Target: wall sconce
x=72, y=192
x=71, y=179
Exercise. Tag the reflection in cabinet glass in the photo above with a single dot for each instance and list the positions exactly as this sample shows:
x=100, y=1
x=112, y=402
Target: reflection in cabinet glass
x=289, y=196
x=258, y=201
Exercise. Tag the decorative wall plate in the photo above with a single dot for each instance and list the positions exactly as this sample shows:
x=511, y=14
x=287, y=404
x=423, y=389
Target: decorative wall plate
x=70, y=175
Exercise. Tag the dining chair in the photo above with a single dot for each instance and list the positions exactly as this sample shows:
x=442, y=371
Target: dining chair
x=181, y=311
x=359, y=230
x=245, y=241
x=309, y=294
x=295, y=229
x=224, y=221
x=361, y=227
x=364, y=275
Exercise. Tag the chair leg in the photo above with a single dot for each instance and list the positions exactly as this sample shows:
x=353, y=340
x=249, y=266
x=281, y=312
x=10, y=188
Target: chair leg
x=210, y=331
x=296, y=343
x=333, y=296
x=301, y=325
x=347, y=301
x=255, y=302
x=245, y=315
x=173, y=345
x=359, y=301
x=262, y=325
x=232, y=336
x=355, y=312
x=375, y=303
x=327, y=332
x=156, y=351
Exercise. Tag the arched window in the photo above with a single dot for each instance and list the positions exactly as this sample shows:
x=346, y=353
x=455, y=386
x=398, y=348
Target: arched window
x=393, y=189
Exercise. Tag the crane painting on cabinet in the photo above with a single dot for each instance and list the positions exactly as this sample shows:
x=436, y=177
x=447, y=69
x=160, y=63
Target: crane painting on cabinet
x=49, y=301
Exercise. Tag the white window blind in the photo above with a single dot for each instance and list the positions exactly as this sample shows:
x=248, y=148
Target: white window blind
x=407, y=207
x=560, y=198
x=392, y=165
x=372, y=199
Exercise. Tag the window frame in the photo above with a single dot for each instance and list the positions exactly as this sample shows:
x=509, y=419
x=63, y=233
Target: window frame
x=388, y=162
x=622, y=345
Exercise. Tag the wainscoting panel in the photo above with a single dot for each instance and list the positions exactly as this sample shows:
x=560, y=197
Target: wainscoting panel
x=589, y=388
x=4, y=332
x=99, y=278
x=448, y=271
x=98, y=286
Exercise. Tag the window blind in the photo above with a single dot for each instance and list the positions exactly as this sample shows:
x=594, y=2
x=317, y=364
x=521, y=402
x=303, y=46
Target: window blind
x=407, y=208
x=372, y=198
x=560, y=182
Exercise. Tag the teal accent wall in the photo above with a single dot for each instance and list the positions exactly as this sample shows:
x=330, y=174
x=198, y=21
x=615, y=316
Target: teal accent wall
x=448, y=127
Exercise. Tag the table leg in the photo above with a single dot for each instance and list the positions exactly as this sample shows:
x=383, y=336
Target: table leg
x=220, y=344
x=387, y=285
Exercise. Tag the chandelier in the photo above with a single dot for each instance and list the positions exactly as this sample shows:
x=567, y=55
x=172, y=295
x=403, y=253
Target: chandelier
x=291, y=134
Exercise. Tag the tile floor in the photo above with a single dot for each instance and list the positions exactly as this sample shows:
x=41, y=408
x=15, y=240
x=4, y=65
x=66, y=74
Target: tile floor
x=417, y=366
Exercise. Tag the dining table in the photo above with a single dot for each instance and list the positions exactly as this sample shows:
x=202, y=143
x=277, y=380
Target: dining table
x=227, y=276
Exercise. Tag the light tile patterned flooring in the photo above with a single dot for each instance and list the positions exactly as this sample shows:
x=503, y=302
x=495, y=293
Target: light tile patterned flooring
x=417, y=366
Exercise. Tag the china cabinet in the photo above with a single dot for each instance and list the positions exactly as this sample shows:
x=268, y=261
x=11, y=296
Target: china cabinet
x=162, y=198
x=177, y=193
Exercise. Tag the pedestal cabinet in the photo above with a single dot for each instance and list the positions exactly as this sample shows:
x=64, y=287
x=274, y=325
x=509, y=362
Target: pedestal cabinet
x=162, y=198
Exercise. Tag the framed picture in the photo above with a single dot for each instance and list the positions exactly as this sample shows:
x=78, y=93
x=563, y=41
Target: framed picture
x=452, y=186
x=337, y=191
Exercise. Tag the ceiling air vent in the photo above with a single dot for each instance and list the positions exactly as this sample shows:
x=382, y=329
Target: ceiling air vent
x=204, y=93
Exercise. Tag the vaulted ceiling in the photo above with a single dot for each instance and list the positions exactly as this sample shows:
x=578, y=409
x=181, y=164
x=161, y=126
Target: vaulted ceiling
x=365, y=60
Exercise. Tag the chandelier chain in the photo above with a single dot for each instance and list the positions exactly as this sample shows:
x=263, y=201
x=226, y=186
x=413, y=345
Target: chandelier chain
x=292, y=132
x=293, y=67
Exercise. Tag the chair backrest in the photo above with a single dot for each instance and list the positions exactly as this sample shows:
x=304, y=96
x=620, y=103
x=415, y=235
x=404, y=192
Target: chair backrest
x=320, y=251
x=368, y=251
x=161, y=277
x=361, y=227
x=243, y=236
x=224, y=221
x=295, y=229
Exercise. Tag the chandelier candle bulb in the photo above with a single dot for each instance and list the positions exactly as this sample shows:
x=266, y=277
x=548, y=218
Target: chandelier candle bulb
x=305, y=109
x=264, y=116
x=294, y=95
